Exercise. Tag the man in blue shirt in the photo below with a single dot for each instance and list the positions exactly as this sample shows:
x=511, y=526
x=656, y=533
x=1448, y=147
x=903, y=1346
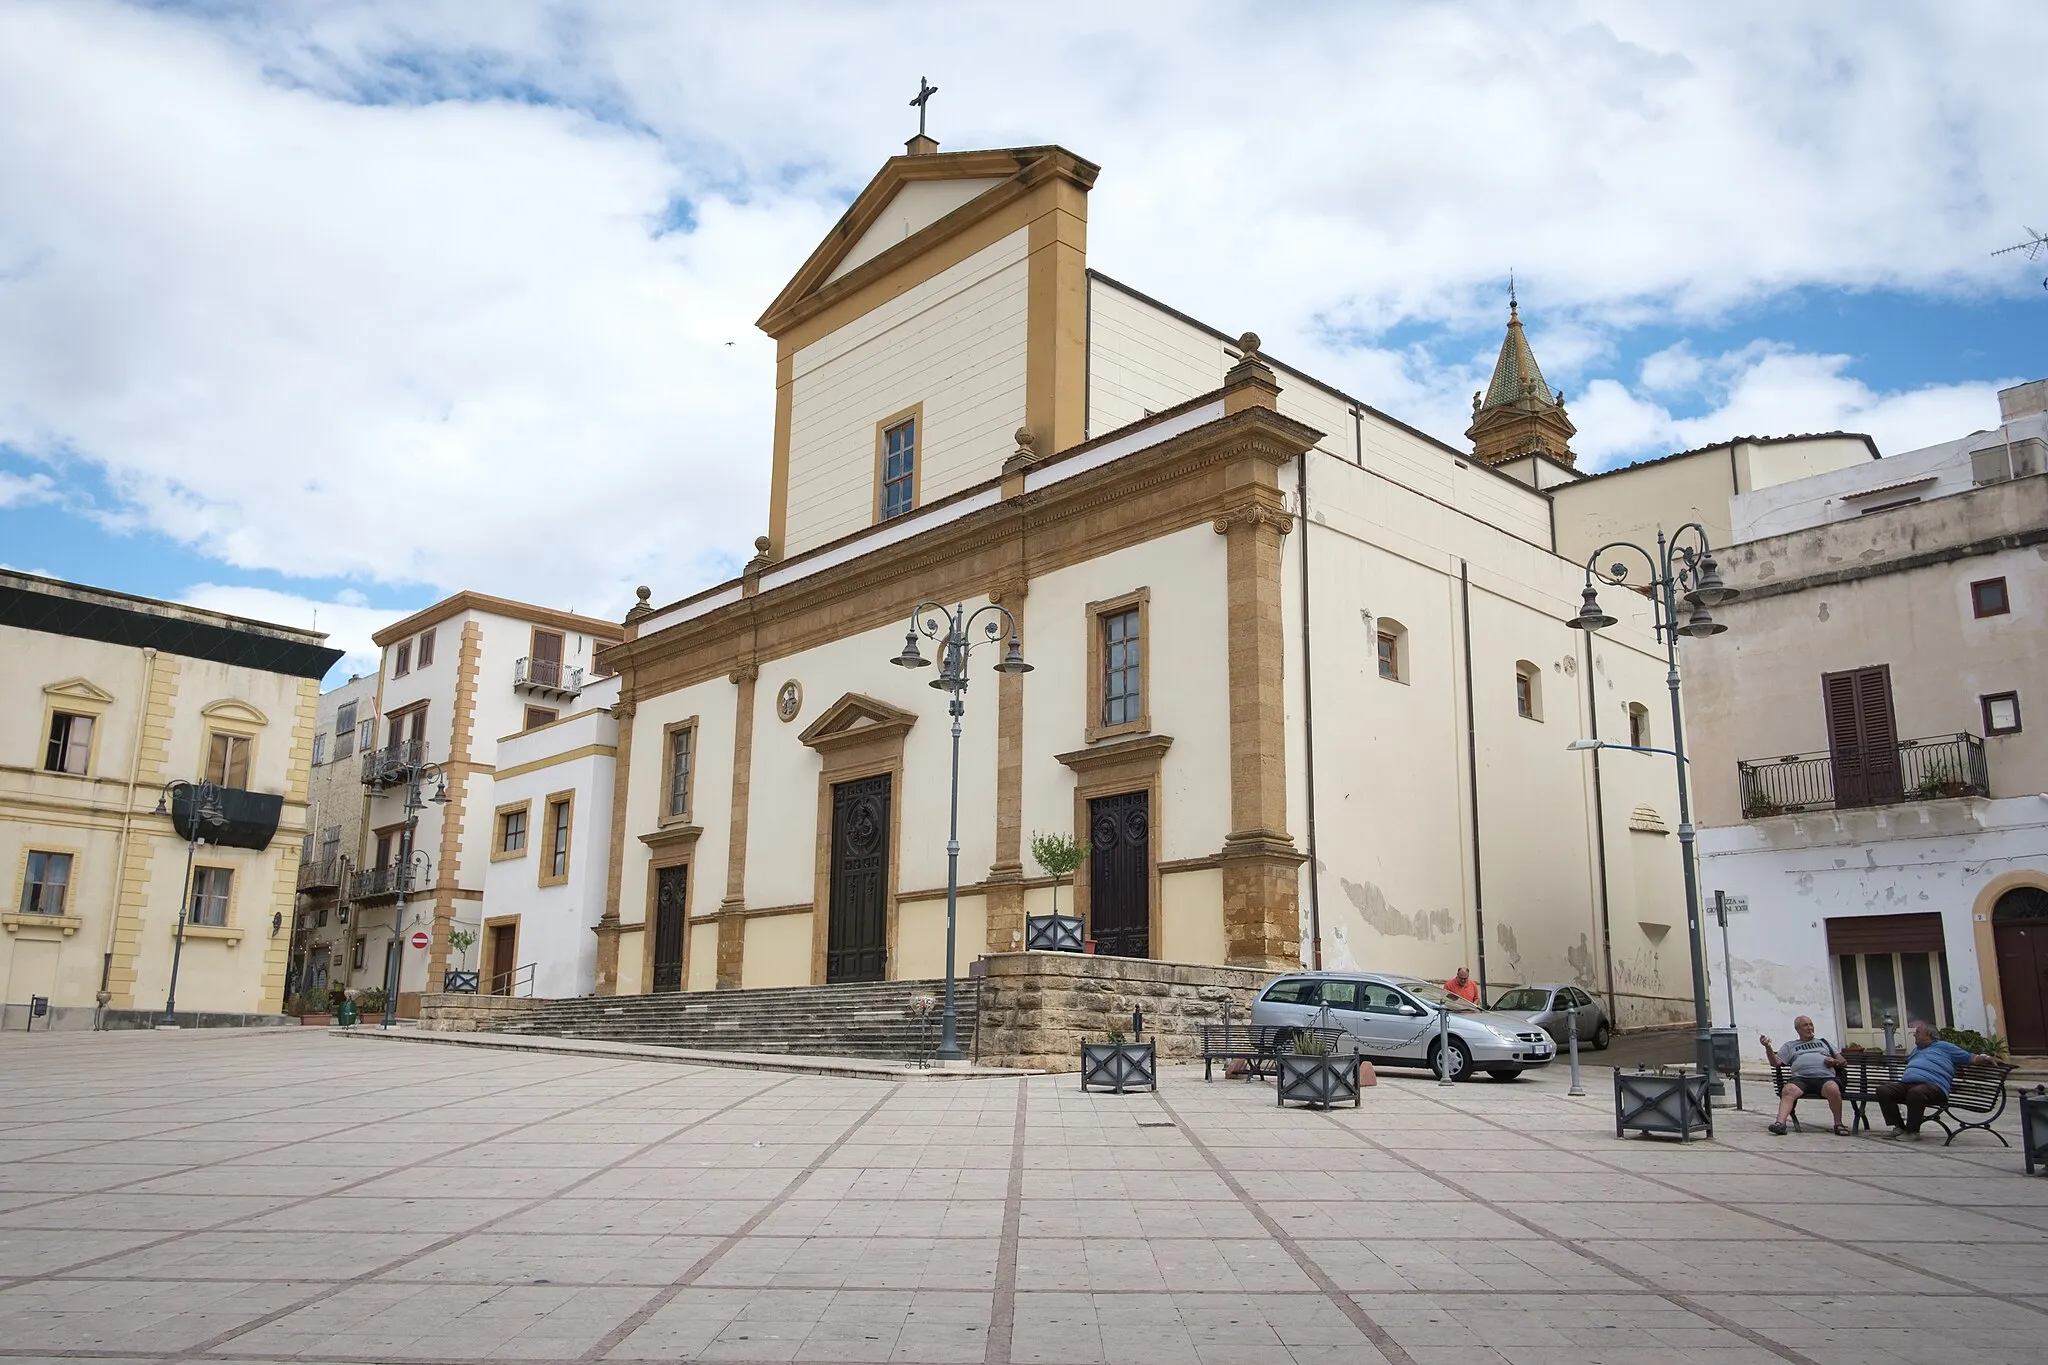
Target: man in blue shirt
x=1929, y=1073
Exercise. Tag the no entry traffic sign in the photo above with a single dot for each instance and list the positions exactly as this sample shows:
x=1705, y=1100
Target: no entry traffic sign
x=419, y=939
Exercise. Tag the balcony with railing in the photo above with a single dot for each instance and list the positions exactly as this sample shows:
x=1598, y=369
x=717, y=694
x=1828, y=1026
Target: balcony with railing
x=386, y=767
x=373, y=885
x=323, y=874
x=547, y=678
x=1931, y=769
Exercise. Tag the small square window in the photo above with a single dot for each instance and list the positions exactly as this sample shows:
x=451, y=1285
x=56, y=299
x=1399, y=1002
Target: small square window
x=537, y=716
x=43, y=886
x=70, y=746
x=1525, y=696
x=1390, y=656
x=512, y=832
x=2001, y=713
x=1988, y=597
x=210, y=887
x=227, y=761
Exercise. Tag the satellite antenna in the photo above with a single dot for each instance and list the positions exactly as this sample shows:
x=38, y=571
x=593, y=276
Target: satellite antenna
x=2033, y=246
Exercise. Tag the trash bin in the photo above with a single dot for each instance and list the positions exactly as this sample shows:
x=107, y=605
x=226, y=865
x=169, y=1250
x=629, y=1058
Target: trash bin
x=346, y=1015
x=1727, y=1050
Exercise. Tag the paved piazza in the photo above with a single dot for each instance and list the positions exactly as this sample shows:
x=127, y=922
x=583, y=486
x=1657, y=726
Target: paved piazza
x=309, y=1198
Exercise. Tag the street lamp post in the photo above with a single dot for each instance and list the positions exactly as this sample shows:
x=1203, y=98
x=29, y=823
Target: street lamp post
x=955, y=642
x=1682, y=570
x=415, y=773
x=206, y=809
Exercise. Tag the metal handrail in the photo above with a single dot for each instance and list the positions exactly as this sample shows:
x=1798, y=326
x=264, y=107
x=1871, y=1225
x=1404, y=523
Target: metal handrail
x=386, y=879
x=320, y=872
x=518, y=981
x=548, y=673
x=1928, y=769
x=386, y=766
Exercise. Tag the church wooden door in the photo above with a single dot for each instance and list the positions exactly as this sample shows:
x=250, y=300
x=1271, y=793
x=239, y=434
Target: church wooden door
x=857, y=933
x=2019, y=927
x=1120, y=874
x=670, y=883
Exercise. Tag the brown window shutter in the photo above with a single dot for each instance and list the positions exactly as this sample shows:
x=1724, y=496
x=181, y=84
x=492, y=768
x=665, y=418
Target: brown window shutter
x=1885, y=934
x=1863, y=739
x=1845, y=738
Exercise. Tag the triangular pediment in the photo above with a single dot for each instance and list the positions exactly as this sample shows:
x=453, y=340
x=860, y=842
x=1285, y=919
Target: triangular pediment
x=234, y=712
x=913, y=204
x=79, y=689
x=856, y=717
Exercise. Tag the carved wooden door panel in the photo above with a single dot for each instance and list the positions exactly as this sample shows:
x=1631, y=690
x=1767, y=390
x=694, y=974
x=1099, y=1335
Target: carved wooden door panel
x=857, y=934
x=670, y=884
x=1120, y=874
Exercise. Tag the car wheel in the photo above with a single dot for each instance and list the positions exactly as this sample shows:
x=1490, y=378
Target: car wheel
x=1461, y=1061
x=1602, y=1036
x=1504, y=1073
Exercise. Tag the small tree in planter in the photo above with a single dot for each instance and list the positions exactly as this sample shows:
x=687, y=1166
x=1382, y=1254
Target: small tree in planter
x=1118, y=1066
x=1316, y=1074
x=1058, y=855
x=460, y=979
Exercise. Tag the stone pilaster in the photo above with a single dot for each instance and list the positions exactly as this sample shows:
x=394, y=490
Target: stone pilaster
x=607, y=928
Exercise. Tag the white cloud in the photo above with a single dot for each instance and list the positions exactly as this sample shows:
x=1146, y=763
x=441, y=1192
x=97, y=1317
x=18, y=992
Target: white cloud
x=17, y=490
x=347, y=625
x=328, y=288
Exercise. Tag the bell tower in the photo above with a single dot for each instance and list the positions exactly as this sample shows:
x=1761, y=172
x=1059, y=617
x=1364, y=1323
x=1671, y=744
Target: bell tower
x=1519, y=414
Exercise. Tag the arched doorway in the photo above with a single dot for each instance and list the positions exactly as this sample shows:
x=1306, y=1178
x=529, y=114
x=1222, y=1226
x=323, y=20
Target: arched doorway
x=2019, y=929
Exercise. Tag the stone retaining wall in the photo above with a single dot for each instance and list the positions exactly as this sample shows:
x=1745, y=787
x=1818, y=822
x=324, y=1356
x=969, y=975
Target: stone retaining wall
x=459, y=1012
x=1036, y=1008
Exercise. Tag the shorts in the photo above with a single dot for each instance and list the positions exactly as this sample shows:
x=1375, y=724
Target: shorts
x=1809, y=1087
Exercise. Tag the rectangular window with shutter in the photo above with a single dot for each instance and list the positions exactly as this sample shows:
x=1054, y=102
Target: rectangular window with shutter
x=344, y=732
x=227, y=761
x=1863, y=737
x=70, y=749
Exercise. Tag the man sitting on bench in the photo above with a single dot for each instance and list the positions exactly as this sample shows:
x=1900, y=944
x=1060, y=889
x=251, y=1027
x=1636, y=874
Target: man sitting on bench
x=1924, y=1085
x=1809, y=1064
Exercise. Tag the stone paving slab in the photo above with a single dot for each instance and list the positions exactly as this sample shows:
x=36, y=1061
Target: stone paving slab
x=860, y=1068
x=207, y=1197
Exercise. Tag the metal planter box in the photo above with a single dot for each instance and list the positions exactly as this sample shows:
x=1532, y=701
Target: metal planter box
x=1052, y=933
x=1671, y=1103
x=459, y=982
x=1319, y=1080
x=2034, y=1127
x=1117, y=1067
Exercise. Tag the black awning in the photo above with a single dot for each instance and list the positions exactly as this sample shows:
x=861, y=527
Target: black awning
x=82, y=619
x=241, y=819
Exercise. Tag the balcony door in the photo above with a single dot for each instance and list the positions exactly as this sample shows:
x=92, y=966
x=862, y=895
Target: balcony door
x=1863, y=736
x=547, y=658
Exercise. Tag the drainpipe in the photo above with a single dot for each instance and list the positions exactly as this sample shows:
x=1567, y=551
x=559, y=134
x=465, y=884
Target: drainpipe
x=1308, y=722
x=128, y=824
x=1600, y=833
x=1472, y=773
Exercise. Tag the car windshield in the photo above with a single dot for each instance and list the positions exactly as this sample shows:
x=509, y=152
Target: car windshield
x=1525, y=1000
x=1429, y=993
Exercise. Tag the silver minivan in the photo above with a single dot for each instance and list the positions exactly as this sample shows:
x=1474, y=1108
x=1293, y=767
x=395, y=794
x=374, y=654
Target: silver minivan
x=1395, y=1022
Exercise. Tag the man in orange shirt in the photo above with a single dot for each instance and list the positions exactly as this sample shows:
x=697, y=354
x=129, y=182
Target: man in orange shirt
x=1463, y=985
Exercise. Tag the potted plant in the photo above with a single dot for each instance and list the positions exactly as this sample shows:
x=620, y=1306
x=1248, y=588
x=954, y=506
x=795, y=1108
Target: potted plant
x=314, y=1007
x=1315, y=1073
x=460, y=980
x=1118, y=1066
x=1058, y=855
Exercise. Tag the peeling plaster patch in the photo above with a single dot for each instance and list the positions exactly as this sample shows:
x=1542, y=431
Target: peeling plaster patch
x=1337, y=954
x=1823, y=611
x=1584, y=974
x=1505, y=932
x=1372, y=907
x=1794, y=987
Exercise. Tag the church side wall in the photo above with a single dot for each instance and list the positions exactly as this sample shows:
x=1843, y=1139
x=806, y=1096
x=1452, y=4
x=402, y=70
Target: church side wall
x=1393, y=797
x=954, y=349
x=1143, y=360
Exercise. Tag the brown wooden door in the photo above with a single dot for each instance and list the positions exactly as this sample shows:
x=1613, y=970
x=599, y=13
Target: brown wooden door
x=2019, y=932
x=1863, y=738
x=547, y=658
x=857, y=932
x=670, y=884
x=504, y=957
x=1120, y=874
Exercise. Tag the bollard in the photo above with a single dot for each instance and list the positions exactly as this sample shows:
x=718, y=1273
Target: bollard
x=1572, y=1023
x=1137, y=1023
x=1443, y=1046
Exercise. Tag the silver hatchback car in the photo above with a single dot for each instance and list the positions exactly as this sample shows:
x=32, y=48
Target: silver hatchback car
x=1395, y=1022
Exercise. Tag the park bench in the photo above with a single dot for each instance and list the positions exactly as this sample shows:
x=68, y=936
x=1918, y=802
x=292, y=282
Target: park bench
x=1979, y=1089
x=1257, y=1045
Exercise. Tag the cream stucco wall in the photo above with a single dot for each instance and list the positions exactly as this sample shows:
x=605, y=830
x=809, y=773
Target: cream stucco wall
x=153, y=713
x=954, y=345
x=778, y=951
x=921, y=936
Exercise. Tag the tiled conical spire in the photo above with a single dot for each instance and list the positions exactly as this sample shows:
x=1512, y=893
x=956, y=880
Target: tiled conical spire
x=1519, y=414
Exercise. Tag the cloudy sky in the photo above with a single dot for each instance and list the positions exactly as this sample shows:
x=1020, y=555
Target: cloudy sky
x=332, y=306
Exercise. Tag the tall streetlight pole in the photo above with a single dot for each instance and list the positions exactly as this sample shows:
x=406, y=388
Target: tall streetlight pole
x=955, y=641
x=415, y=773
x=1682, y=569
x=204, y=808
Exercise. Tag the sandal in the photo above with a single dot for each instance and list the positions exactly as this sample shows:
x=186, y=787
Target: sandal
x=1777, y=1129
x=1840, y=1131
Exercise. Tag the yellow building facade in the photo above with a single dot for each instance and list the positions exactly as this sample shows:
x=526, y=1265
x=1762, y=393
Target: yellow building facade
x=105, y=700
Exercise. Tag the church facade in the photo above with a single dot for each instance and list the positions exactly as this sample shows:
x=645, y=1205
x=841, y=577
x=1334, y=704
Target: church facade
x=1302, y=682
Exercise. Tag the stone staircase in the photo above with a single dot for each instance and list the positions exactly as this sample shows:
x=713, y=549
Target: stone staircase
x=856, y=1019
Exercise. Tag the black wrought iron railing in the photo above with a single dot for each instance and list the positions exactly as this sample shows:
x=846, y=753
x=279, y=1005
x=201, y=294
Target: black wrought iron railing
x=386, y=767
x=1915, y=770
x=374, y=883
x=321, y=874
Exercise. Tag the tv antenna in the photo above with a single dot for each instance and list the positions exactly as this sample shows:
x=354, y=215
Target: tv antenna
x=2033, y=246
